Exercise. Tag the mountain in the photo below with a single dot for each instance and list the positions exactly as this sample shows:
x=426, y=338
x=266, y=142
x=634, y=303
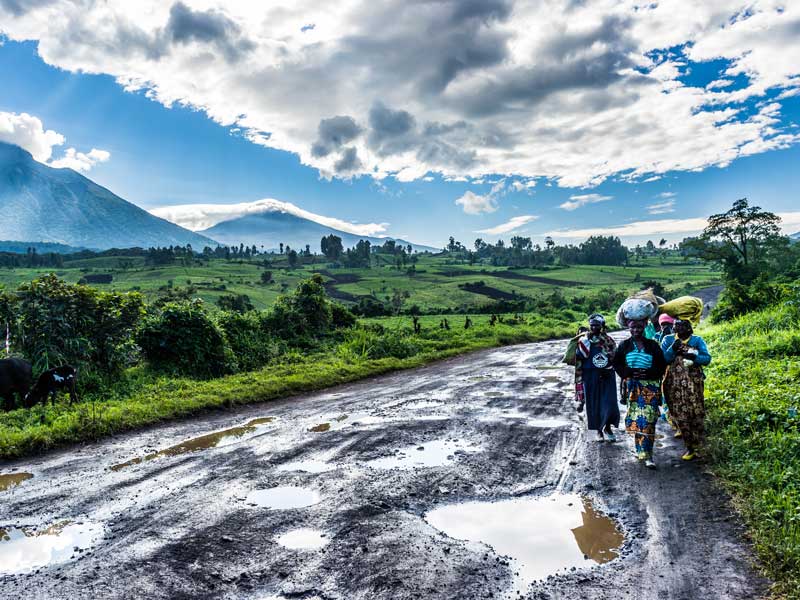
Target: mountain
x=42, y=204
x=272, y=227
x=795, y=237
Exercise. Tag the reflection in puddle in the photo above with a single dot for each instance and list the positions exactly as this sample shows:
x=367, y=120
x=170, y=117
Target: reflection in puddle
x=23, y=550
x=542, y=535
x=308, y=466
x=303, y=539
x=320, y=428
x=283, y=497
x=12, y=480
x=435, y=453
x=204, y=442
x=493, y=394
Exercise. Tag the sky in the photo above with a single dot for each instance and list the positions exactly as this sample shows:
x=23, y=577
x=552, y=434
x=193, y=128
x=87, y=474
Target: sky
x=421, y=119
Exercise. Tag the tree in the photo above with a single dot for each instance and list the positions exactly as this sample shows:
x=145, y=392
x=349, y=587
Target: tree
x=266, y=277
x=281, y=247
x=739, y=239
x=292, y=257
x=332, y=248
x=662, y=243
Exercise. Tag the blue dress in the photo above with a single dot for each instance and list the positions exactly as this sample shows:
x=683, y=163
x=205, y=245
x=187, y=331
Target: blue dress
x=600, y=387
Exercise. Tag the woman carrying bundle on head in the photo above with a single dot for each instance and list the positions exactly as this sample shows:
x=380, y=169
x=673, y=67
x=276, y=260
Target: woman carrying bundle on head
x=684, y=383
x=595, y=379
x=640, y=362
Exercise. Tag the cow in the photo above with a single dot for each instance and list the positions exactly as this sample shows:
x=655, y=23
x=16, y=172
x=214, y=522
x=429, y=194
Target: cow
x=50, y=383
x=16, y=375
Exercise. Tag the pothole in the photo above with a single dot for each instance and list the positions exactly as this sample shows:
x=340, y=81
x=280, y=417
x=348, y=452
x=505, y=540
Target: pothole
x=203, y=442
x=435, y=453
x=25, y=549
x=542, y=535
x=12, y=480
x=283, y=497
x=303, y=539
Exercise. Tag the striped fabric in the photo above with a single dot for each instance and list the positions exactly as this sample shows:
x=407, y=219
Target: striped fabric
x=638, y=359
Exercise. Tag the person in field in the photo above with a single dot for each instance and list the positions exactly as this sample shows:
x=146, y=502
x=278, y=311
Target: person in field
x=640, y=362
x=684, y=383
x=595, y=381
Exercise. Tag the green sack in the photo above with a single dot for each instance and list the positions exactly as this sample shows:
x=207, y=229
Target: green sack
x=572, y=349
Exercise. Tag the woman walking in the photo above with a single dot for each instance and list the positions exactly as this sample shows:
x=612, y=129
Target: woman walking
x=595, y=377
x=684, y=384
x=640, y=362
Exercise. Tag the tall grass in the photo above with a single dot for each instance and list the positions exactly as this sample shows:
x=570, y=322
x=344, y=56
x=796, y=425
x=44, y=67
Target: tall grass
x=753, y=397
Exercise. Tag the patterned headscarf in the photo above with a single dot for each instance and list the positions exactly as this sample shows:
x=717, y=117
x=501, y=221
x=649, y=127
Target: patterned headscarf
x=597, y=318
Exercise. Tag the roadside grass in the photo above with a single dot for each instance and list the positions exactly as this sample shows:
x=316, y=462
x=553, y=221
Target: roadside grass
x=753, y=398
x=142, y=398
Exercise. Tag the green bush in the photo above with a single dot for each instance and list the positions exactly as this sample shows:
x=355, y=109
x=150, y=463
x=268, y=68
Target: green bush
x=249, y=339
x=341, y=317
x=184, y=339
x=366, y=344
x=303, y=316
x=54, y=322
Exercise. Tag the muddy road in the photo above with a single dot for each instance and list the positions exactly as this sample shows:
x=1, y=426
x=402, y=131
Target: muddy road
x=471, y=478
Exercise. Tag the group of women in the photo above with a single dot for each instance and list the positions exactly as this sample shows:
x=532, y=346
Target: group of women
x=659, y=367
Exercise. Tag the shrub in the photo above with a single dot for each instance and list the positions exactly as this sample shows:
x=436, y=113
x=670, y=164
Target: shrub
x=184, y=339
x=367, y=344
x=249, y=339
x=341, y=317
x=235, y=303
x=302, y=316
x=54, y=322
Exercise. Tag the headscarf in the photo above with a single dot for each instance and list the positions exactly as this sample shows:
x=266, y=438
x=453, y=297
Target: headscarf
x=665, y=318
x=597, y=318
x=684, y=322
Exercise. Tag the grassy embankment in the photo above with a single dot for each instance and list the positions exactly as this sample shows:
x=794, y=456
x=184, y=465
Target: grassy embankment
x=142, y=398
x=753, y=398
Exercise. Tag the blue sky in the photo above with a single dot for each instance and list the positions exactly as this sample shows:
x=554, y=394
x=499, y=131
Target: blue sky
x=160, y=153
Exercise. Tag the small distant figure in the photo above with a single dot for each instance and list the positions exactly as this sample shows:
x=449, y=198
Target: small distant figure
x=51, y=382
x=16, y=376
x=444, y=324
x=417, y=326
x=467, y=322
x=493, y=320
x=583, y=329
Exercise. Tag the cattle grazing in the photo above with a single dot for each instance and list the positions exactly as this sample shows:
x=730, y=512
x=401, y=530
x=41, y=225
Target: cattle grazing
x=50, y=382
x=16, y=376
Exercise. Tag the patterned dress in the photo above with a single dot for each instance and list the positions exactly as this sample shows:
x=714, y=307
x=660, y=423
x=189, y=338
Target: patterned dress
x=593, y=358
x=684, y=384
x=643, y=395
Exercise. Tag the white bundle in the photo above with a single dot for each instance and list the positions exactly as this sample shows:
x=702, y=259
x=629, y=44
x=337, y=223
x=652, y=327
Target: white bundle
x=635, y=309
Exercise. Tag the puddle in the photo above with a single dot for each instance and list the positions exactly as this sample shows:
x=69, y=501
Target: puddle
x=303, y=539
x=203, y=442
x=12, y=480
x=493, y=394
x=283, y=497
x=529, y=421
x=435, y=453
x=24, y=549
x=320, y=428
x=307, y=466
x=545, y=535
x=422, y=404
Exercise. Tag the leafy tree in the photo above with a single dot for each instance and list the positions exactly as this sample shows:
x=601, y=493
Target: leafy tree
x=292, y=258
x=266, y=277
x=239, y=303
x=304, y=315
x=331, y=246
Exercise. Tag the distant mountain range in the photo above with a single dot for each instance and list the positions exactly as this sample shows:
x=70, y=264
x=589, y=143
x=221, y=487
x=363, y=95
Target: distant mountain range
x=272, y=227
x=42, y=204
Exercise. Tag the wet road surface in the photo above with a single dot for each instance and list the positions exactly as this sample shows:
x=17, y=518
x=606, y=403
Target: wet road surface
x=470, y=478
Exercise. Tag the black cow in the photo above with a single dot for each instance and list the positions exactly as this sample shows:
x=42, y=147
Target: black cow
x=16, y=375
x=50, y=383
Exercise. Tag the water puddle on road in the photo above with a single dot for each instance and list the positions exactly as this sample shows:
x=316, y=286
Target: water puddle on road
x=283, y=497
x=542, y=535
x=24, y=549
x=303, y=539
x=494, y=394
x=203, y=442
x=436, y=453
x=12, y=480
x=307, y=466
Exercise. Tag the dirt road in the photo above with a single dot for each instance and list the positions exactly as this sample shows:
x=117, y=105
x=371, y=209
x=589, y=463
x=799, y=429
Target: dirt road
x=389, y=488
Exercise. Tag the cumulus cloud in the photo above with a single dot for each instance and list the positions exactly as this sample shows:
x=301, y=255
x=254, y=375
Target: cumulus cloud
x=197, y=217
x=28, y=132
x=578, y=200
x=575, y=92
x=511, y=225
x=79, y=161
x=475, y=204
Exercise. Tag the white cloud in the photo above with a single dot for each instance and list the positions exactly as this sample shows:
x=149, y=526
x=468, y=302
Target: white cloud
x=28, y=132
x=79, y=161
x=667, y=195
x=575, y=92
x=661, y=208
x=475, y=204
x=579, y=200
x=676, y=228
x=197, y=217
x=509, y=226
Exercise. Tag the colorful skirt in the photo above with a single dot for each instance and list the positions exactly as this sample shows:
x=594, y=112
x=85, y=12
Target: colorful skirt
x=644, y=400
x=685, y=386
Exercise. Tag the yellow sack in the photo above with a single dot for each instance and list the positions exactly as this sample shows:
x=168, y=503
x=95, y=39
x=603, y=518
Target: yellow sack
x=685, y=308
